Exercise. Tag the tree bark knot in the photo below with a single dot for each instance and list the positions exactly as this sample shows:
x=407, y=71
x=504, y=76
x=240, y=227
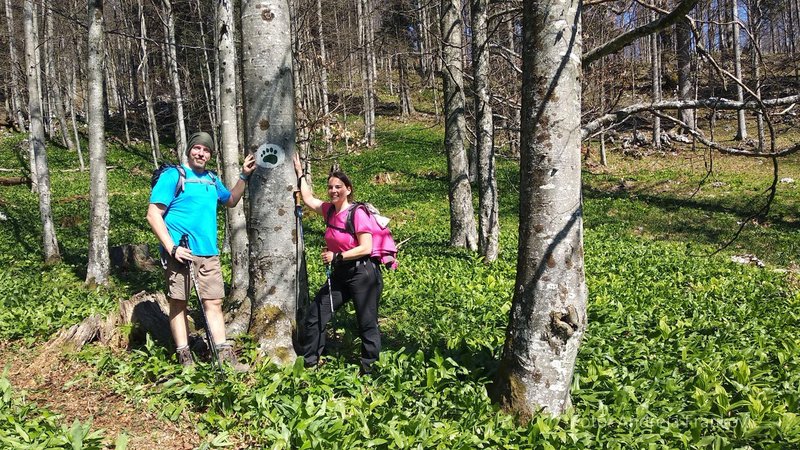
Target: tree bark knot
x=563, y=325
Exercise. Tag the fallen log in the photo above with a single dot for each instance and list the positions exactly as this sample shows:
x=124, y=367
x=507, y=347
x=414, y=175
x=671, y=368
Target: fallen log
x=14, y=181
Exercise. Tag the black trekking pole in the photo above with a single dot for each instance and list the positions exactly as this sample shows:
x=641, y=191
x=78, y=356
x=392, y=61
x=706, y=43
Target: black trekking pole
x=330, y=295
x=209, y=336
x=300, y=248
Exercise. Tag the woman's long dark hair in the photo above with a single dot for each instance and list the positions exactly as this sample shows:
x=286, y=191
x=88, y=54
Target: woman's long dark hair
x=345, y=179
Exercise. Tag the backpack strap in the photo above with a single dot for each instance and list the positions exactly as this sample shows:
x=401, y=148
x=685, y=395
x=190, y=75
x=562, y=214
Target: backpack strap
x=349, y=227
x=181, y=179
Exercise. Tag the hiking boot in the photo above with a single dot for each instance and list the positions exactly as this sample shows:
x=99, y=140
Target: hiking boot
x=185, y=356
x=227, y=356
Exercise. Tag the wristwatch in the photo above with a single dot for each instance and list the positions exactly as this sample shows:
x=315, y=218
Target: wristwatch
x=174, y=249
x=244, y=177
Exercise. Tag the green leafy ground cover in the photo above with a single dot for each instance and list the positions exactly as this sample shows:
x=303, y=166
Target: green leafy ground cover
x=682, y=350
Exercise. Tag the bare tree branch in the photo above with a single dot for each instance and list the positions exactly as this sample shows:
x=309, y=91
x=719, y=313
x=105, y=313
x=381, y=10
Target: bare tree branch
x=624, y=39
x=712, y=102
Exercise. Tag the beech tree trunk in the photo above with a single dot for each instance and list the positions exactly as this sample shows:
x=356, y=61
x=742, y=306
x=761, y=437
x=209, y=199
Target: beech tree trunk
x=229, y=149
x=99, y=265
x=41, y=174
x=367, y=69
x=683, y=35
x=462, y=220
x=406, y=105
x=73, y=87
x=16, y=86
x=548, y=312
x=144, y=68
x=741, y=129
x=655, y=64
x=323, y=80
x=488, y=222
x=269, y=132
x=55, y=84
x=754, y=18
x=172, y=62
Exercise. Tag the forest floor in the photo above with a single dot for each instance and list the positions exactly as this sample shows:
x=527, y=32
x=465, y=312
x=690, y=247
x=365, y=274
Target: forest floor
x=69, y=387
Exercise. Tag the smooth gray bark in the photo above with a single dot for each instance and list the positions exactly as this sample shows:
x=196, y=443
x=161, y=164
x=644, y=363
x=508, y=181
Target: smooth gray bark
x=655, y=80
x=55, y=83
x=488, y=222
x=229, y=147
x=270, y=133
x=41, y=173
x=323, y=81
x=741, y=128
x=367, y=68
x=683, y=35
x=97, y=271
x=16, y=85
x=755, y=21
x=548, y=311
x=463, y=231
x=73, y=87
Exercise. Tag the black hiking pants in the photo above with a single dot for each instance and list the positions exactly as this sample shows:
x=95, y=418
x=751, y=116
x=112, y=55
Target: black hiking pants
x=360, y=281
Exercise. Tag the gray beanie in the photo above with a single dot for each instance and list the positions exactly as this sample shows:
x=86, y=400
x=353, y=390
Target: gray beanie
x=202, y=138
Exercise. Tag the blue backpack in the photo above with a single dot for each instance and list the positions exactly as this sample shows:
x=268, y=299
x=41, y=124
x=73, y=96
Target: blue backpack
x=181, y=177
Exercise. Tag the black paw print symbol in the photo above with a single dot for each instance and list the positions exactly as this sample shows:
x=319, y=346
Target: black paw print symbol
x=269, y=155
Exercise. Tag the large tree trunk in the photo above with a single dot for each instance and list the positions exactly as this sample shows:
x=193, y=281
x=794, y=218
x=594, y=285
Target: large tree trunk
x=488, y=223
x=172, y=60
x=41, y=174
x=98, y=269
x=16, y=86
x=683, y=36
x=269, y=132
x=229, y=145
x=741, y=129
x=548, y=312
x=462, y=220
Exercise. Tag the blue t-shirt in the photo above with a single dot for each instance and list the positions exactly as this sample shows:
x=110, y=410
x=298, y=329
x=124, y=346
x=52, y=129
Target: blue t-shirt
x=193, y=211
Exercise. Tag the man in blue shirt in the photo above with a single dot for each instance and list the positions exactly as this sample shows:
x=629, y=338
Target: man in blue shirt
x=192, y=210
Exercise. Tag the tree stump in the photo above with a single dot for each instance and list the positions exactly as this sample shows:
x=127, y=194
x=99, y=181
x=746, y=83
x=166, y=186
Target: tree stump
x=136, y=317
x=132, y=256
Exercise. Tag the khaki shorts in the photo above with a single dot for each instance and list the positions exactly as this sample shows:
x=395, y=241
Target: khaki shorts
x=208, y=272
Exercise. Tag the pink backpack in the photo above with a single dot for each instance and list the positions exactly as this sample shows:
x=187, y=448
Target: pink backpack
x=384, y=248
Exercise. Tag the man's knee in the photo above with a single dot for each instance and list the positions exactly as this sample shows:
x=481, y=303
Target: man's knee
x=214, y=304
